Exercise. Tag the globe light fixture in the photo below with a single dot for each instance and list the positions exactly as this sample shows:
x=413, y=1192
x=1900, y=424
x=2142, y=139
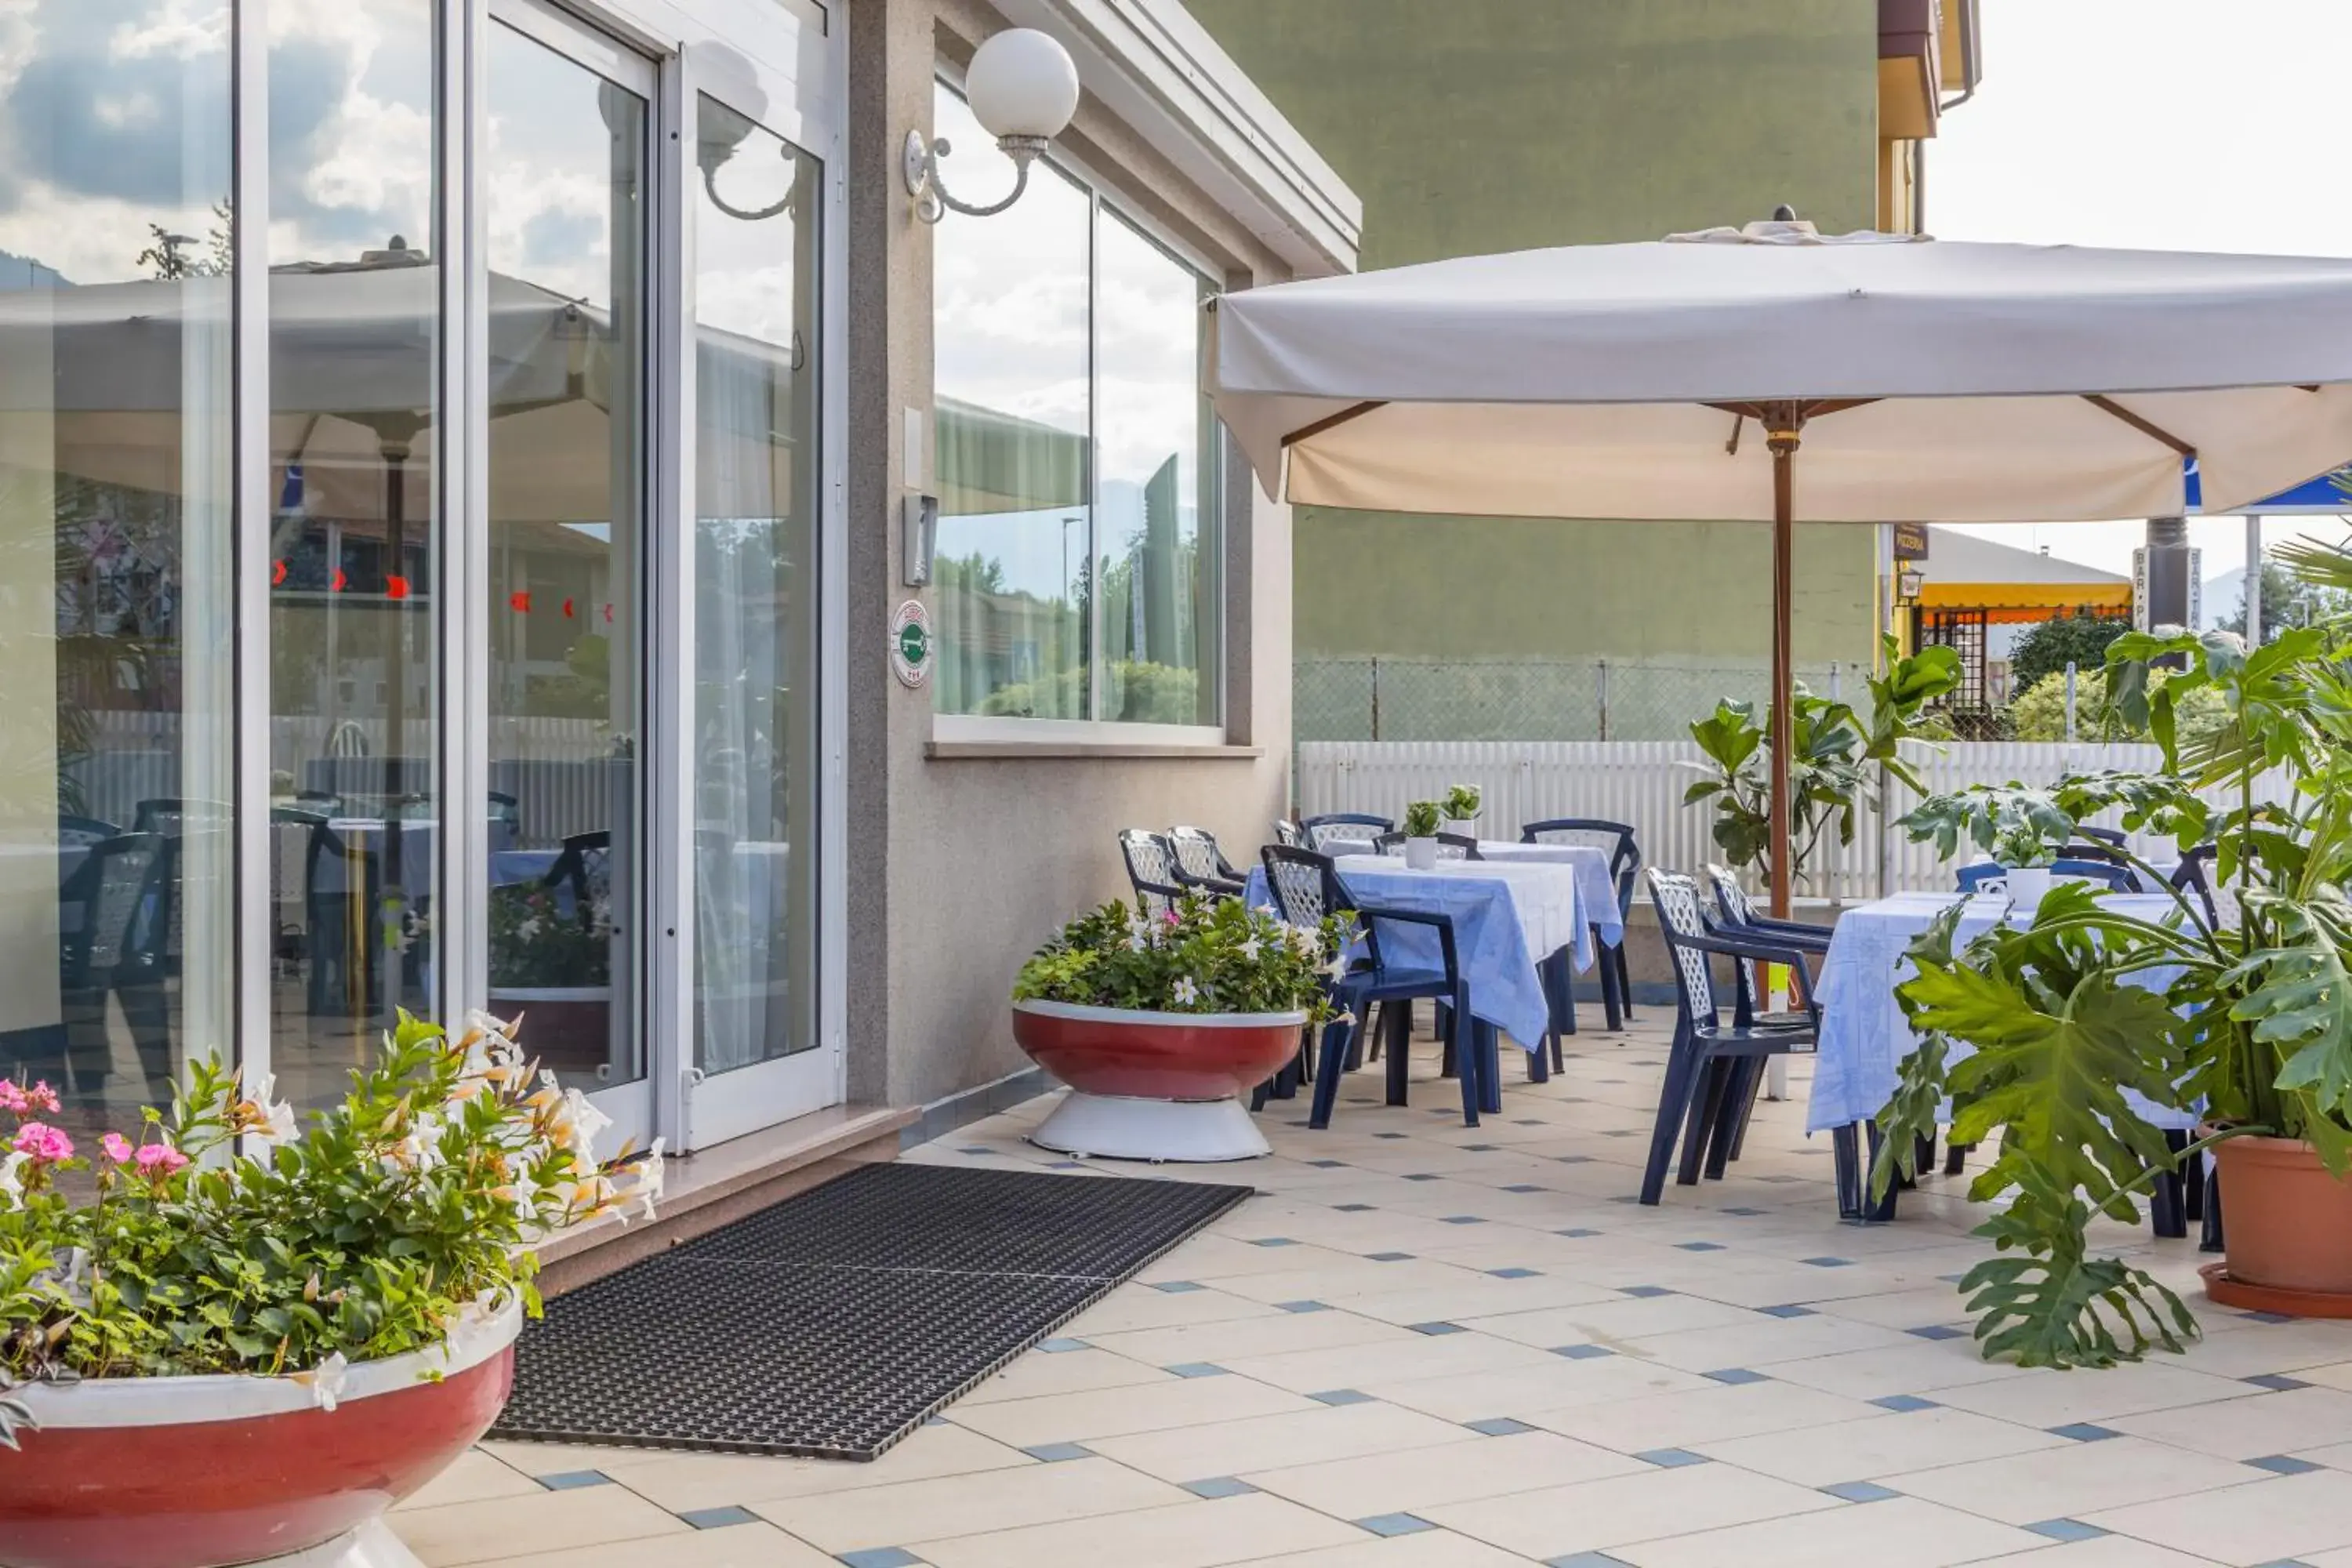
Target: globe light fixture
x=1024, y=89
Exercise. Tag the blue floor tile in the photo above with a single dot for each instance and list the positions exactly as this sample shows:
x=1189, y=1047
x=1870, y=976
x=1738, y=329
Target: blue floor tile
x=1572, y=1159
x=1055, y=1453
x=719, y=1518
x=1904, y=1401
x=1745, y=1213
x=1514, y=1273
x=1736, y=1375
x=1828, y=1262
x=1698, y=1246
x=1583, y=1353
x=2084, y=1431
x=1523, y=1187
x=1328, y=1164
x=1195, y=1369
x=1394, y=1524
x=1061, y=1346
x=1576, y=1232
x=1860, y=1491
x=1643, y=1291
x=571, y=1480
x=1465, y=1219
x=1937, y=1332
x=1498, y=1427
x=1351, y=1208
x=1177, y=1287
x=1389, y=1135
x=2266, y=1317
x=1587, y=1560
x=2277, y=1381
x=2284, y=1465
x=1672, y=1458
x=880, y=1557
x=1341, y=1397
x=1388, y=1256
x=1219, y=1486
x=1274, y=1241
x=1788, y=1310
x=1303, y=1306
x=1424, y=1176
x=2067, y=1530
x=1437, y=1328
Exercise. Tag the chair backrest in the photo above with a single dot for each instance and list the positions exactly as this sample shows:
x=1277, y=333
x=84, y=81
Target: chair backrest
x=1987, y=877
x=1450, y=845
x=1731, y=897
x=1285, y=832
x=2118, y=877
x=1197, y=858
x=1151, y=869
x=170, y=812
x=2095, y=849
x=2195, y=875
x=1305, y=888
x=121, y=923
x=1614, y=838
x=1682, y=922
x=1319, y=832
x=586, y=866
x=2115, y=837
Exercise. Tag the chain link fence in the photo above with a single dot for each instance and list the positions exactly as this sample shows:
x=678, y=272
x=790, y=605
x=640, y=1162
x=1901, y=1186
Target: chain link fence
x=1385, y=699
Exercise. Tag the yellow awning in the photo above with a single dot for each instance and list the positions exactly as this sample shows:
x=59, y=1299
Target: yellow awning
x=2017, y=601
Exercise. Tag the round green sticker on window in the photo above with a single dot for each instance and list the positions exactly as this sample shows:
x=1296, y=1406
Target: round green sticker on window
x=910, y=643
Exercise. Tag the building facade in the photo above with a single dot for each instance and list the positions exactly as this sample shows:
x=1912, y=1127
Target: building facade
x=454, y=459
x=1493, y=125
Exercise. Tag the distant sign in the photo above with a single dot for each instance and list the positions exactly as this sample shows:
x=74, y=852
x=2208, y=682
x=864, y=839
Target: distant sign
x=1911, y=542
x=2328, y=493
x=910, y=644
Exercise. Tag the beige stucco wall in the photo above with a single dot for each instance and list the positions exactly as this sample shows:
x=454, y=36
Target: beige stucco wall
x=959, y=868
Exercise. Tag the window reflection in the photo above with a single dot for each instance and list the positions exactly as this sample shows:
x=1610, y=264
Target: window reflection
x=756, y=466
x=115, y=739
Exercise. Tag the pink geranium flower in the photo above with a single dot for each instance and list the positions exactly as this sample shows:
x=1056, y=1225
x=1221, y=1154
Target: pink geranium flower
x=13, y=1096
x=40, y=1141
x=159, y=1159
x=115, y=1147
x=41, y=1097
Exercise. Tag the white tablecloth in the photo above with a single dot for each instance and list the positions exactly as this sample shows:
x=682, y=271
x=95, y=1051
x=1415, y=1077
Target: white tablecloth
x=1864, y=1035
x=1596, y=894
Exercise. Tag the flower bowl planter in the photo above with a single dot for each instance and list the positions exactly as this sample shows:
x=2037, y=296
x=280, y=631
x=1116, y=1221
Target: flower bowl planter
x=199, y=1472
x=570, y=1026
x=2288, y=1230
x=1154, y=1086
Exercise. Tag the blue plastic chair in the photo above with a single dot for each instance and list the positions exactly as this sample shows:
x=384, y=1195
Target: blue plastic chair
x=1624, y=865
x=1318, y=832
x=1306, y=887
x=1989, y=875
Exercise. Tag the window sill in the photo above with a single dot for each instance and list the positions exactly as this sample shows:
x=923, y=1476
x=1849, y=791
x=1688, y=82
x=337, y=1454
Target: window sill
x=1043, y=750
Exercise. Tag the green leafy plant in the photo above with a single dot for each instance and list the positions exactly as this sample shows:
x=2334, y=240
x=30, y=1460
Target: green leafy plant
x=367, y=1235
x=1203, y=956
x=1421, y=819
x=1462, y=803
x=535, y=942
x=2034, y=1032
x=1831, y=758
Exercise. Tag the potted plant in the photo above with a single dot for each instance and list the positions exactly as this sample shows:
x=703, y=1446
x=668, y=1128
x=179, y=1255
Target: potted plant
x=2022, y=828
x=1421, y=821
x=552, y=958
x=1461, y=806
x=1158, y=1026
x=209, y=1357
x=2073, y=1024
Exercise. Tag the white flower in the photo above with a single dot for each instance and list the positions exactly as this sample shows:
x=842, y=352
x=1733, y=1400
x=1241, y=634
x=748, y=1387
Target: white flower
x=529, y=929
x=1185, y=992
x=1139, y=935
x=650, y=1174
x=1251, y=948
x=265, y=1120
x=12, y=1187
x=326, y=1379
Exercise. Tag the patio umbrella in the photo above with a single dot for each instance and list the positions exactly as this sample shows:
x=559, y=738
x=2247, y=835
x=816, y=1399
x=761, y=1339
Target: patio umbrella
x=1771, y=374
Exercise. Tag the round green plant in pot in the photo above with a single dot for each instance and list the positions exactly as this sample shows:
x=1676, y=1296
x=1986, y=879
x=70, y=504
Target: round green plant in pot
x=1421, y=820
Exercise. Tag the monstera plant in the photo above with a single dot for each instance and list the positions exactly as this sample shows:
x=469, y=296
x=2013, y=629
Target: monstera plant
x=2034, y=1032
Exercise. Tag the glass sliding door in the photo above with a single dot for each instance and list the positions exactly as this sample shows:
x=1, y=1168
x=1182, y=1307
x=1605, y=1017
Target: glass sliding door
x=116, y=728
x=755, y=615
x=356, y=799
x=566, y=168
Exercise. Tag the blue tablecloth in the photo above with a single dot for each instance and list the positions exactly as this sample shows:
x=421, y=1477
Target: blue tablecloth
x=1864, y=1035
x=1489, y=938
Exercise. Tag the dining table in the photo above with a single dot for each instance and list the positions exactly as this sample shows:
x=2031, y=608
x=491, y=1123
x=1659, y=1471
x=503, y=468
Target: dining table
x=1864, y=1035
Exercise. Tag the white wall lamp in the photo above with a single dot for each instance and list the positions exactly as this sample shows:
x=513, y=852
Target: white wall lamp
x=1024, y=89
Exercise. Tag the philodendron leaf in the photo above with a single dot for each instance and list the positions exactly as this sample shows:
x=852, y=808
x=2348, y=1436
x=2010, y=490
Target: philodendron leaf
x=2045, y=1303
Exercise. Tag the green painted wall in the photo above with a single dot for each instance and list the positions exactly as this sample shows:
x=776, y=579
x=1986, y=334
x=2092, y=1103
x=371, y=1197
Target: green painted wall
x=1483, y=125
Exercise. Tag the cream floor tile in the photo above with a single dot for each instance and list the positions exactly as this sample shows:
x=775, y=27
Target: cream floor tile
x=2111, y=1551
x=1882, y=1446
x=1351, y=1366
x=1195, y=1535
x=2235, y=1348
x=2104, y=1398
x=475, y=1475
x=1931, y=1537
x=2068, y=1481
x=1277, y=1335
x=1132, y=1307
x=1342, y=1282
x=1780, y=1285
x=1326, y=1432
x=1613, y=1320
x=1922, y=1367
x=1038, y=1373
x=1598, y=1515
x=557, y=1458
x=1716, y=1413
x=683, y=1481
x=2287, y=1516
x=1483, y=1295
x=1210, y=1259
x=467, y=1532
x=1765, y=1341
x=1522, y=1391
x=1408, y=1482
x=1913, y=1309
x=968, y=1505
x=1425, y=1549
x=2252, y=1426
x=1112, y=1412
x=729, y=1546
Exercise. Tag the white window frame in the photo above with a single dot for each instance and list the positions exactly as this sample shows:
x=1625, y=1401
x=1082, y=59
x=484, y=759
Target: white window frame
x=973, y=728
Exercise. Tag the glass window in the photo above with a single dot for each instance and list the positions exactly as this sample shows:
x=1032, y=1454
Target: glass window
x=1078, y=552
x=755, y=474
x=355, y=271
x=1155, y=528
x=1012, y=363
x=116, y=957
x=567, y=214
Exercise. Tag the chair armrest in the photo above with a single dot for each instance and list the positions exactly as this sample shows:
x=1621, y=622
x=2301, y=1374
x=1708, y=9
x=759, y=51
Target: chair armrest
x=1794, y=933
x=1758, y=951
x=1442, y=923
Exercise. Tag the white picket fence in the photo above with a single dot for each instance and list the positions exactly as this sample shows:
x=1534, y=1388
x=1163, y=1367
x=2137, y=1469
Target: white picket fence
x=1641, y=782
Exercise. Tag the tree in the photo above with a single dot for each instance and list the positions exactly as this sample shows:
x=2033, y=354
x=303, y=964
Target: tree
x=2288, y=601
x=2080, y=638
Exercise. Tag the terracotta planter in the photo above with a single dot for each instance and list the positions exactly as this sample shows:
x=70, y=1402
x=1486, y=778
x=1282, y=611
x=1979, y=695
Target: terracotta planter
x=198, y=1472
x=1154, y=1086
x=2288, y=1226
x=569, y=1028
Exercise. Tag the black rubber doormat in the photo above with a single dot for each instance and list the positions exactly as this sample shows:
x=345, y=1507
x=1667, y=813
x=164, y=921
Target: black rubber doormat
x=835, y=1323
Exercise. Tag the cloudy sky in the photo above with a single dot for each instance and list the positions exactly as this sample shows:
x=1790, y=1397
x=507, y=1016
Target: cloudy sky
x=2169, y=124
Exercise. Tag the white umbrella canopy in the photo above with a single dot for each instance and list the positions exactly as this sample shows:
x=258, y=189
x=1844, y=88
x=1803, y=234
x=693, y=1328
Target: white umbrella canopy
x=1774, y=374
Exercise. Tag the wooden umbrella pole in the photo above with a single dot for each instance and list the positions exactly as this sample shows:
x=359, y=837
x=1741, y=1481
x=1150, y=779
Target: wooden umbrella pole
x=1781, y=437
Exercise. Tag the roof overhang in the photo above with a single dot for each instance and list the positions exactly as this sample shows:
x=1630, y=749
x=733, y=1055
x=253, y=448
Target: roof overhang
x=1160, y=72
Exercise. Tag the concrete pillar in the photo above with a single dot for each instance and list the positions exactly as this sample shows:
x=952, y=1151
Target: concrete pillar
x=2168, y=571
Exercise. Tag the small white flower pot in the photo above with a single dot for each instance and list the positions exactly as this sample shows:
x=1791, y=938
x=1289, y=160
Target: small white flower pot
x=1421, y=853
x=2028, y=884
x=1467, y=827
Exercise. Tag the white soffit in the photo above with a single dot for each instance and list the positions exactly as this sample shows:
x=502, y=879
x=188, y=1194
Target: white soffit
x=1159, y=71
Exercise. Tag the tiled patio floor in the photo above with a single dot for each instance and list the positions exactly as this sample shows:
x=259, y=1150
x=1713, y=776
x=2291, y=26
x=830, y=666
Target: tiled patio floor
x=1425, y=1346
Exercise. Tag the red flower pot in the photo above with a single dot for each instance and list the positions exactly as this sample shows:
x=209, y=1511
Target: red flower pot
x=1154, y=1086
x=2288, y=1228
x=198, y=1472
